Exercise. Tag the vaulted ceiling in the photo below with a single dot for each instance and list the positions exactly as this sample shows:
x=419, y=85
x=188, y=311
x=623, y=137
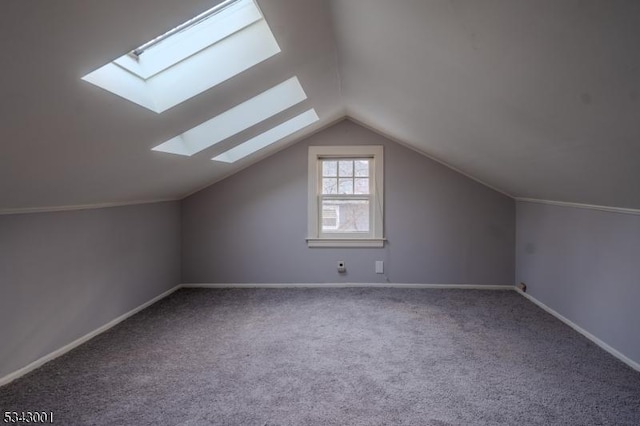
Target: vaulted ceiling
x=539, y=99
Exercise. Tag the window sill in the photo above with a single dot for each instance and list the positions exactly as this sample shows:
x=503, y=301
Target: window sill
x=345, y=242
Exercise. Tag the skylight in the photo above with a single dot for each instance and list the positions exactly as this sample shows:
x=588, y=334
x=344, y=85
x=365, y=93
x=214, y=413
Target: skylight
x=191, y=58
x=236, y=119
x=269, y=137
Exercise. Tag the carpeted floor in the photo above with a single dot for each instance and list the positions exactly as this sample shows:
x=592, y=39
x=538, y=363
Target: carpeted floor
x=355, y=356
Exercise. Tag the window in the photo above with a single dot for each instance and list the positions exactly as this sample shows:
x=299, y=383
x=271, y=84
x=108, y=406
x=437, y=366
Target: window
x=345, y=196
x=190, y=58
x=269, y=137
x=195, y=56
x=236, y=119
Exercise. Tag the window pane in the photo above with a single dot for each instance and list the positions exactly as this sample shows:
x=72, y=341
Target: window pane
x=329, y=168
x=361, y=186
x=346, y=168
x=330, y=186
x=362, y=167
x=352, y=215
x=345, y=186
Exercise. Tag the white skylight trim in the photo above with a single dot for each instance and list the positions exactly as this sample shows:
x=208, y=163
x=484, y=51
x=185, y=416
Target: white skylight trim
x=269, y=137
x=191, y=60
x=191, y=22
x=236, y=119
x=181, y=45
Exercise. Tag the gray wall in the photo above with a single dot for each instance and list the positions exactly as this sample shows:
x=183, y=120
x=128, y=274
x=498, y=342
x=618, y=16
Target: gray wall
x=584, y=264
x=442, y=227
x=65, y=274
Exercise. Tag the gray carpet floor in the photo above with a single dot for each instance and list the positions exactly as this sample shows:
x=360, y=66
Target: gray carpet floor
x=355, y=356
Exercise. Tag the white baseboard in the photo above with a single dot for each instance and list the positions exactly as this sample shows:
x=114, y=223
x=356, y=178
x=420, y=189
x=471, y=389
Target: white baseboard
x=55, y=354
x=346, y=285
x=622, y=357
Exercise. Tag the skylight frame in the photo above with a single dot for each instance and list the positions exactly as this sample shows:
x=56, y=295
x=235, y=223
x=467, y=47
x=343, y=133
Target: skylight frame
x=180, y=45
x=187, y=63
x=137, y=52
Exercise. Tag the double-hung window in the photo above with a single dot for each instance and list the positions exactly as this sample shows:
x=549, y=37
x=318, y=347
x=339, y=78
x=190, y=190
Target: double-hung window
x=346, y=196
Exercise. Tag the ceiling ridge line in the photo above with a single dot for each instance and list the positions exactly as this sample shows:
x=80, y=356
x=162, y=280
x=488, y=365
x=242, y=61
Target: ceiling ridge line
x=610, y=209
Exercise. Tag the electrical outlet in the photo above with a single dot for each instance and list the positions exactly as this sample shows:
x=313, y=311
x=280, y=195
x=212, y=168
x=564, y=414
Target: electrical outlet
x=341, y=266
x=379, y=267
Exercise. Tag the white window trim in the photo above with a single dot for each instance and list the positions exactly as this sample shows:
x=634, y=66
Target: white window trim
x=376, y=237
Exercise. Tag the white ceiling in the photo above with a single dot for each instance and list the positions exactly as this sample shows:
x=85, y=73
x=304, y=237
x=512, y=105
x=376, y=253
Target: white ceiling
x=539, y=99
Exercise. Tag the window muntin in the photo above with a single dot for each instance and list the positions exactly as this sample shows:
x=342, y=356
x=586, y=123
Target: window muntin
x=346, y=196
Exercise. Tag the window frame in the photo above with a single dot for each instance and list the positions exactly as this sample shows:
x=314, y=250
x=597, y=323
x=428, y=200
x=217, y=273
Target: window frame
x=375, y=237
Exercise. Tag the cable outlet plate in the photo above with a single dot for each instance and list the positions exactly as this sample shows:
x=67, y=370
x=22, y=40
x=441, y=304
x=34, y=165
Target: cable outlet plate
x=341, y=266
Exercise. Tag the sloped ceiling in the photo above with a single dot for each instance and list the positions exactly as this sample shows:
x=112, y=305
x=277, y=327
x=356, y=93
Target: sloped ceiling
x=538, y=98
x=64, y=141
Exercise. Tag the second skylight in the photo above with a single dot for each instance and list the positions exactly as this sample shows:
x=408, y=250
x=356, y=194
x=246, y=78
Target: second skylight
x=269, y=137
x=236, y=119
